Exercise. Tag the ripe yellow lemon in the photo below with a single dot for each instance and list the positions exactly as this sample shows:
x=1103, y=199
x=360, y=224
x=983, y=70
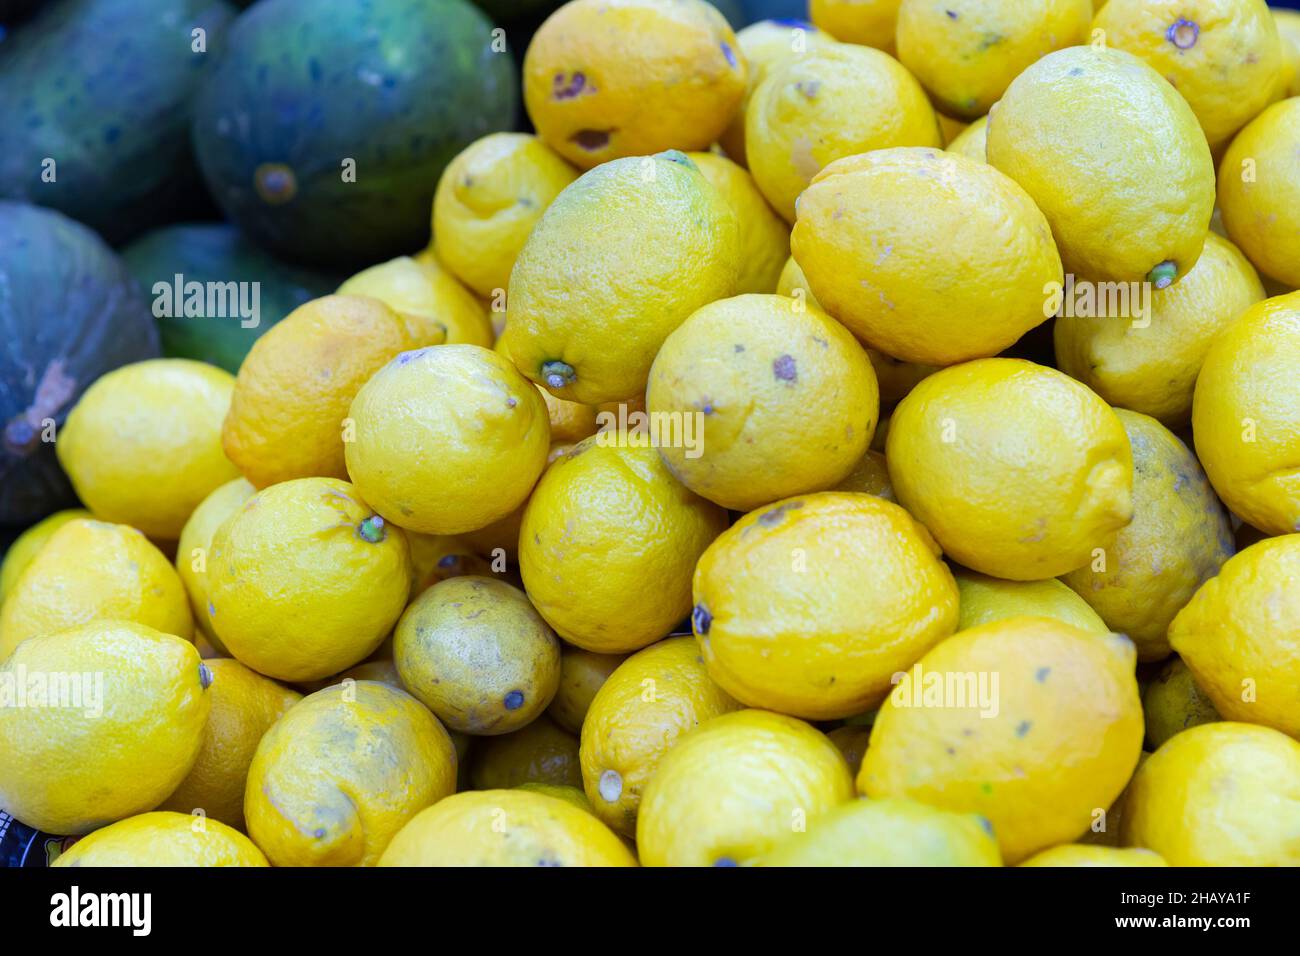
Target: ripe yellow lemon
x=764, y=236
x=428, y=297
x=28, y=544
x=869, y=476
x=438, y=557
x=571, y=795
x=164, y=839
x=1288, y=29
x=1173, y=701
x=972, y=141
x=1074, y=854
x=195, y=547
x=985, y=599
x=539, y=752
x=582, y=674
x=869, y=22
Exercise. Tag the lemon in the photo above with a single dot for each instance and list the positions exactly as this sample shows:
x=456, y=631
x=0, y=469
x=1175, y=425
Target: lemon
x=1288, y=30
x=295, y=385
x=793, y=283
x=1223, y=56
x=143, y=444
x=570, y=421
x=1107, y=825
x=506, y=828
x=195, y=546
x=1246, y=414
x=447, y=439
x=606, y=518
x=889, y=833
x=475, y=652
x=382, y=670
x=810, y=605
x=731, y=789
x=429, y=297
x=764, y=236
x=1148, y=363
x=1223, y=794
x=1259, y=191
x=439, y=557
x=782, y=400
x=1053, y=742
x=610, y=78
x=292, y=625
x=571, y=795
x=637, y=716
x=94, y=571
x=1101, y=123
x=985, y=599
x=164, y=839
x=836, y=101
x=871, y=229
x=852, y=739
x=966, y=52
x=101, y=722
x=582, y=674
x=244, y=705
x=342, y=772
x=949, y=128
x=1237, y=635
x=1173, y=701
x=28, y=544
x=869, y=22
x=1017, y=470
x=1073, y=854
x=869, y=476
x=972, y=141
x=618, y=261
x=539, y=752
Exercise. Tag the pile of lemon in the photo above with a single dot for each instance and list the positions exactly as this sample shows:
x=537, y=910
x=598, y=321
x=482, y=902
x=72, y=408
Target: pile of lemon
x=969, y=584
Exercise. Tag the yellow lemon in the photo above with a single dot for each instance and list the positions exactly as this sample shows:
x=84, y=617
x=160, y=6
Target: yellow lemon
x=966, y=52
x=1101, y=123
x=972, y=141
x=1259, y=191
x=429, y=297
x=1016, y=469
x=837, y=101
x=606, y=518
x=143, y=444
x=1246, y=415
x=810, y=605
x=731, y=789
x=869, y=22
x=775, y=398
x=1223, y=794
x=764, y=236
x=539, y=752
x=852, y=739
x=570, y=421
x=985, y=599
x=1223, y=56
x=873, y=228
x=1178, y=538
x=1053, y=742
x=949, y=128
x=244, y=705
x=295, y=385
x=637, y=716
x=439, y=557
x=94, y=571
x=618, y=261
x=164, y=839
x=793, y=283
x=292, y=625
x=110, y=730
x=342, y=772
x=506, y=828
x=195, y=546
x=889, y=833
x=28, y=544
x=1288, y=30
x=582, y=674
x=571, y=795
x=1146, y=359
x=447, y=439
x=1074, y=854
x=610, y=78
x=1173, y=701
x=869, y=476
x=1237, y=635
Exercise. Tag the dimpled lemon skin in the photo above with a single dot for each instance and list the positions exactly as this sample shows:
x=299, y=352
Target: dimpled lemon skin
x=1224, y=794
x=297, y=626
x=1259, y=191
x=606, y=521
x=764, y=236
x=342, y=772
x=1173, y=701
x=28, y=544
x=1246, y=415
x=487, y=202
x=610, y=78
x=967, y=52
x=889, y=833
x=985, y=599
x=475, y=652
x=431, y=300
x=94, y=571
x=582, y=674
x=1074, y=854
x=835, y=101
x=69, y=769
x=143, y=445
x=810, y=605
x=1179, y=537
x=655, y=696
x=195, y=545
x=1101, y=123
x=868, y=22
x=1149, y=363
x=1017, y=470
x=447, y=439
x=506, y=828
x=730, y=790
x=872, y=229
x=1056, y=740
x=1223, y=56
x=784, y=398
x=164, y=839
x=1238, y=635
x=618, y=261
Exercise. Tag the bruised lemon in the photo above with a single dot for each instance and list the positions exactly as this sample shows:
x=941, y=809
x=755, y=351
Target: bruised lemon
x=1259, y=191
x=28, y=544
x=294, y=626
x=164, y=839
x=429, y=297
x=869, y=22
x=582, y=674
x=195, y=544
x=342, y=772
x=809, y=606
x=1173, y=701
x=539, y=752
x=764, y=236
x=617, y=262
x=873, y=230
x=1017, y=470
x=972, y=141
x=1074, y=854
x=782, y=397
x=985, y=599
